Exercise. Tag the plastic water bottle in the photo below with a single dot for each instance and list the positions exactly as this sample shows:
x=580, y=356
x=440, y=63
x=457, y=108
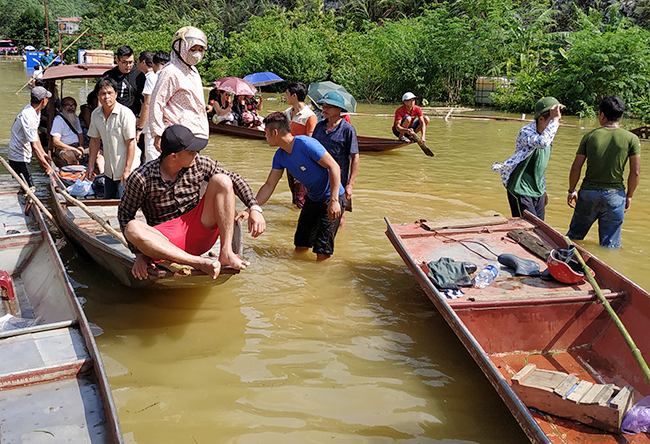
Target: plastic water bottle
x=486, y=276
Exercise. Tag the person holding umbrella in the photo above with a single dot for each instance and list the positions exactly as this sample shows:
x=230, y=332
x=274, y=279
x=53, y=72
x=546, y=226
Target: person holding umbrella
x=340, y=140
x=178, y=96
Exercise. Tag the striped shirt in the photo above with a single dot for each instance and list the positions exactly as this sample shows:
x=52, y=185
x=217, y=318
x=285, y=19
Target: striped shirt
x=161, y=201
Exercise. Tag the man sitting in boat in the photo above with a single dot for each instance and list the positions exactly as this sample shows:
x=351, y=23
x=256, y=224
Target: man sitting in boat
x=67, y=134
x=221, y=108
x=316, y=169
x=409, y=119
x=181, y=225
x=178, y=95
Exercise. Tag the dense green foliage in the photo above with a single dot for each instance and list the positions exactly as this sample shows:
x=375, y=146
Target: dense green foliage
x=378, y=49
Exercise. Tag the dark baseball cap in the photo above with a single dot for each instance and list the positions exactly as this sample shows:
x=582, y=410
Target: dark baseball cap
x=177, y=138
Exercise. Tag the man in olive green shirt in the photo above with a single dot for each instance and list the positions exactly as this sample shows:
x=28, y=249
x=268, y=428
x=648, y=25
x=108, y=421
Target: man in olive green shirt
x=602, y=194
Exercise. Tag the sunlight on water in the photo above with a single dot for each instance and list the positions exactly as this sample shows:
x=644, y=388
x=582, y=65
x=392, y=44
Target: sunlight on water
x=291, y=351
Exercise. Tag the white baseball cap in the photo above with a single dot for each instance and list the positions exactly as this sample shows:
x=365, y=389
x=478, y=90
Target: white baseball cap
x=408, y=96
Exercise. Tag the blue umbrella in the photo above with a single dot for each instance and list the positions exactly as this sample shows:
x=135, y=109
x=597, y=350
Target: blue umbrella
x=263, y=78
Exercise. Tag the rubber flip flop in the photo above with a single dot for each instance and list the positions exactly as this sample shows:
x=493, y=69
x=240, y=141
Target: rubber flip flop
x=522, y=267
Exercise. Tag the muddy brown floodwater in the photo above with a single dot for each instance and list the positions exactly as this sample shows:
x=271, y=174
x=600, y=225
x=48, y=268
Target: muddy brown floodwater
x=352, y=351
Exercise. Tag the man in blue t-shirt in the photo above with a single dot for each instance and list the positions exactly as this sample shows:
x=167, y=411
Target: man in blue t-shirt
x=308, y=161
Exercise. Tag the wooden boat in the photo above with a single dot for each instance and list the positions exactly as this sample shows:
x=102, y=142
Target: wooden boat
x=366, y=143
x=53, y=386
x=90, y=237
x=642, y=132
x=517, y=321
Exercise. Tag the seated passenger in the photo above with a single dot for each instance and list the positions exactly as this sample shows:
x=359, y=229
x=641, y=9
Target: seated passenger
x=223, y=108
x=253, y=106
x=67, y=135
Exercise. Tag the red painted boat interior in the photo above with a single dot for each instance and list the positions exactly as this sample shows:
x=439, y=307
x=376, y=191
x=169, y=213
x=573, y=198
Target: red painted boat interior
x=522, y=320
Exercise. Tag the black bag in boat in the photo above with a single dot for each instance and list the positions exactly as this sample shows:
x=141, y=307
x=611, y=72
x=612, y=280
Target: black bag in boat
x=98, y=185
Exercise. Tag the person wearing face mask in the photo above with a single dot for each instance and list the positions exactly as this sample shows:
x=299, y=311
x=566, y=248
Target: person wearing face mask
x=178, y=96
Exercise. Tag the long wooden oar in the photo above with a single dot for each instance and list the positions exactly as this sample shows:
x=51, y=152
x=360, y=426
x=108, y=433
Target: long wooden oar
x=59, y=55
x=608, y=308
x=28, y=191
x=184, y=270
x=422, y=145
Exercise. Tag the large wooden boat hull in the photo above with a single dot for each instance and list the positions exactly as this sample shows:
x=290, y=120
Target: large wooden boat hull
x=91, y=238
x=522, y=320
x=53, y=386
x=366, y=143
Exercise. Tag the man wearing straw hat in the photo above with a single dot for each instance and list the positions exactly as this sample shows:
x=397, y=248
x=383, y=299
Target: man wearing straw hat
x=524, y=174
x=24, y=136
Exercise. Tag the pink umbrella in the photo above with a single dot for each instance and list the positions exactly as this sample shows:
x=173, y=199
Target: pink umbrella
x=235, y=85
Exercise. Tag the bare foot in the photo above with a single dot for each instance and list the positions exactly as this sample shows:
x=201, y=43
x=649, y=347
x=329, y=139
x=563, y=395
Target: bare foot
x=211, y=267
x=233, y=260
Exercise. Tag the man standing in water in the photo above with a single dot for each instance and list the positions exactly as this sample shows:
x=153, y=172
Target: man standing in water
x=178, y=95
x=317, y=170
x=602, y=194
x=524, y=174
x=340, y=140
x=181, y=225
x=24, y=136
x=409, y=119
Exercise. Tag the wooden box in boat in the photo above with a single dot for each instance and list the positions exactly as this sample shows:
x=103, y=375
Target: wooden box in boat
x=526, y=320
x=366, y=143
x=108, y=252
x=53, y=387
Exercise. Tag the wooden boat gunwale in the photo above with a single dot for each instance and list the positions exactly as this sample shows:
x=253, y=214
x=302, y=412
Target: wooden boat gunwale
x=366, y=143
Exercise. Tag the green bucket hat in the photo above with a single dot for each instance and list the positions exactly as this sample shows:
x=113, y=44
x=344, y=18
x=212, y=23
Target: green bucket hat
x=333, y=98
x=544, y=105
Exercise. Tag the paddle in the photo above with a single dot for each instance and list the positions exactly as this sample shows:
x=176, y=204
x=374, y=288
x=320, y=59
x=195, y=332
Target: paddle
x=421, y=144
x=184, y=270
x=28, y=191
x=608, y=308
x=61, y=54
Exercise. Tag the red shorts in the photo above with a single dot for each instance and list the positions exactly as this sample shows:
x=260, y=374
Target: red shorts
x=188, y=233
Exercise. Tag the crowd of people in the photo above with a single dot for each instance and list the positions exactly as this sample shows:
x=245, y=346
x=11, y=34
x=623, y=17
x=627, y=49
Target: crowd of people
x=145, y=123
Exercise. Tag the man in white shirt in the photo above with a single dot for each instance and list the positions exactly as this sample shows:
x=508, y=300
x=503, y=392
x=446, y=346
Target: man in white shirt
x=146, y=65
x=114, y=124
x=66, y=132
x=24, y=136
